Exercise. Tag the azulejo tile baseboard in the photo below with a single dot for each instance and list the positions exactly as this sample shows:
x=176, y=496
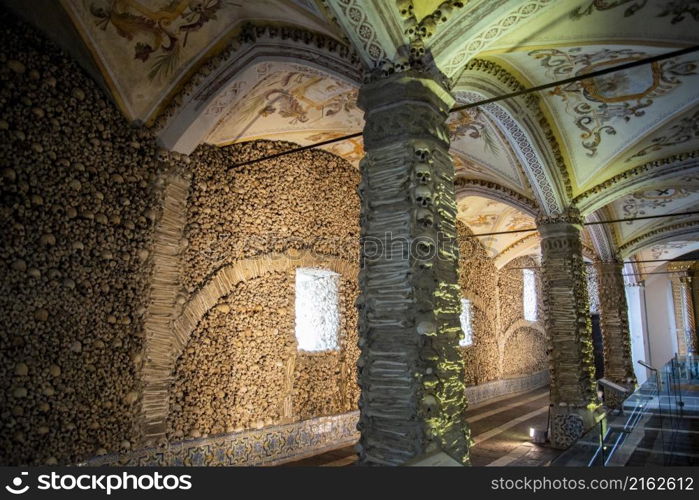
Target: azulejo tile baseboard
x=482, y=392
x=284, y=443
x=268, y=446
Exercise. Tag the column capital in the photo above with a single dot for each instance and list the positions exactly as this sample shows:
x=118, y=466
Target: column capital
x=566, y=224
x=397, y=88
x=407, y=105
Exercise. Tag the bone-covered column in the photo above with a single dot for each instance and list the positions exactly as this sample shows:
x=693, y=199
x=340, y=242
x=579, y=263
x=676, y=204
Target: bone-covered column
x=690, y=330
x=410, y=372
x=568, y=328
x=614, y=321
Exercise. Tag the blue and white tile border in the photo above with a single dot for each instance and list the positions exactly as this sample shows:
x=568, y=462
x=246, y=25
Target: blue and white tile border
x=288, y=442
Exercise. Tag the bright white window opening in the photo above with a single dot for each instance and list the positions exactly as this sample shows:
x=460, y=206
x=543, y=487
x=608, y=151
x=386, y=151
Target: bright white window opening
x=317, y=309
x=466, y=323
x=529, y=295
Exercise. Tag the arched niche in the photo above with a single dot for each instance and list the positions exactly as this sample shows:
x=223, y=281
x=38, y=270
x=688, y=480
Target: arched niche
x=221, y=83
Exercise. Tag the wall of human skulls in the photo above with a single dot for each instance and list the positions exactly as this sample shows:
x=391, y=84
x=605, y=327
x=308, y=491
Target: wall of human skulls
x=523, y=343
x=79, y=195
x=478, y=281
x=305, y=201
x=242, y=367
x=83, y=197
x=504, y=345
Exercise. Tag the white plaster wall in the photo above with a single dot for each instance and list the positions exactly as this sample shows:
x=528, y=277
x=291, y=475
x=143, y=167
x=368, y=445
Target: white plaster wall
x=662, y=343
x=638, y=329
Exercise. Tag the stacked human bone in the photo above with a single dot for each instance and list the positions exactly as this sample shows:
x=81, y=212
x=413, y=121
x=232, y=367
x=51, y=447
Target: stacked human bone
x=79, y=193
x=241, y=363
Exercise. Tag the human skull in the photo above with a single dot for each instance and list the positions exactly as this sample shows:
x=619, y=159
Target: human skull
x=424, y=218
x=424, y=253
x=430, y=404
x=423, y=196
x=426, y=328
x=423, y=174
x=405, y=7
x=422, y=152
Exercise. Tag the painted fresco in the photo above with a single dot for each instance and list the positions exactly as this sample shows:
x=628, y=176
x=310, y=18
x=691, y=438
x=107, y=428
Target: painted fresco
x=146, y=47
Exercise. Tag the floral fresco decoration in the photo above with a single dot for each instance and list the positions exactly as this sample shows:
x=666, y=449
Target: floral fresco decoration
x=472, y=123
x=640, y=203
x=678, y=9
x=658, y=251
x=685, y=130
x=615, y=97
x=160, y=33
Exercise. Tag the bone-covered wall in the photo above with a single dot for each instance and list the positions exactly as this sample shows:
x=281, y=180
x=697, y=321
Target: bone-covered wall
x=523, y=344
x=504, y=344
x=79, y=196
x=304, y=201
x=241, y=367
x=478, y=281
x=115, y=256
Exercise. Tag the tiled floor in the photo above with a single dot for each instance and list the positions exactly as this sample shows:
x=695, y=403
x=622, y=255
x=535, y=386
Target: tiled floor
x=499, y=428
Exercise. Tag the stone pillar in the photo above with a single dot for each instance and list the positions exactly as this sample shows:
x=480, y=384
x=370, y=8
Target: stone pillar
x=687, y=304
x=568, y=328
x=410, y=372
x=614, y=322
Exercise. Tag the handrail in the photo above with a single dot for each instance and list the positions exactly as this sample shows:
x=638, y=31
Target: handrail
x=629, y=425
x=632, y=420
x=646, y=365
x=618, y=434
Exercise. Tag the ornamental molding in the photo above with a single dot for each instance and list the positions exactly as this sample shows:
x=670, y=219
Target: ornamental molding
x=552, y=185
x=374, y=33
x=570, y=215
x=679, y=267
x=673, y=231
x=214, y=85
x=602, y=239
x=647, y=175
x=589, y=252
x=494, y=191
x=458, y=62
x=517, y=249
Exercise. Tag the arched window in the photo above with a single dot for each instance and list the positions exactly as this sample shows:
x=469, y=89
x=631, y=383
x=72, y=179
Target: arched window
x=317, y=309
x=529, y=295
x=466, y=323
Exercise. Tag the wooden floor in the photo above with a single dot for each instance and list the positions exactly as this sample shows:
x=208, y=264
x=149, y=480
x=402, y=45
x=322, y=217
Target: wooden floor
x=499, y=428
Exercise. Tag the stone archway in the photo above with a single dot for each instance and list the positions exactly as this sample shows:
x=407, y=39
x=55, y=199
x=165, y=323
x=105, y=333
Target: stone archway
x=159, y=370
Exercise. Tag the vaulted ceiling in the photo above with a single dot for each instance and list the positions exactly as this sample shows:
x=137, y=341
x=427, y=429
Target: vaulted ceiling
x=617, y=146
